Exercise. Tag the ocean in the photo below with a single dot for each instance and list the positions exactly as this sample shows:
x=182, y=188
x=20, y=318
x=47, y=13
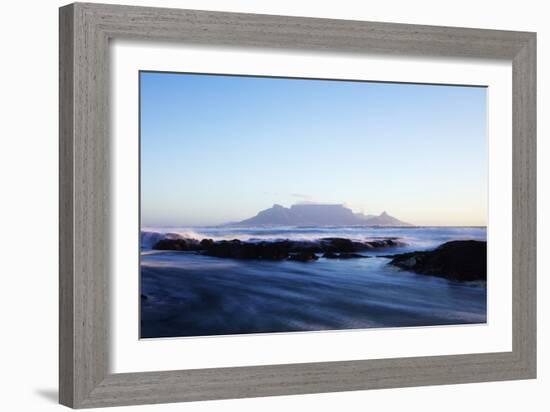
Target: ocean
x=187, y=294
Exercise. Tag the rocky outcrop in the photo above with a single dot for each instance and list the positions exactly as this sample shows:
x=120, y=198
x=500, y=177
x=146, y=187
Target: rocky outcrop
x=304, y=251
x=236, y=249
x=304, y=256
x=462, y=260
x=177, y=244
x=336, y=244
x=343, y=255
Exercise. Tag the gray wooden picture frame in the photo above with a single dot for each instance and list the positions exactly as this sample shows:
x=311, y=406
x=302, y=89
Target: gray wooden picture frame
x=85, y=31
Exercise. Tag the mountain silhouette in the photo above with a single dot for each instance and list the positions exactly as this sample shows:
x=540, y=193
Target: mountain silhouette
x=317, y=215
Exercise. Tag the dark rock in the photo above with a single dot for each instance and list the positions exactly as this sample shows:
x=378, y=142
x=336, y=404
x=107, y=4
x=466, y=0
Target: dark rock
x=224, y=249
x=206, y=243
x=348, y=255
x=271, y=250
x=336, y=244
x=333, y=248
x=305, y=246
x=303, y=256
x=177, y=244
x=343, y=255
x=383, y=243
x=463, y=260
x=248, y=250
x=339, y=245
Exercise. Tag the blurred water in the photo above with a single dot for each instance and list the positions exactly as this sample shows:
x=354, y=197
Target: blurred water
x=187, y=294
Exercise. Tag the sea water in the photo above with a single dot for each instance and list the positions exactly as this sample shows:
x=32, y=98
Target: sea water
x=189, y=294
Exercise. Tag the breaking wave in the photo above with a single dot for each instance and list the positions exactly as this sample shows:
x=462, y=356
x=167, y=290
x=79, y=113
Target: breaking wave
x=416, y=237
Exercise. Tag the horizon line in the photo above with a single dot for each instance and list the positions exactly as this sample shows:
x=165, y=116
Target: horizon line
x=411, y=226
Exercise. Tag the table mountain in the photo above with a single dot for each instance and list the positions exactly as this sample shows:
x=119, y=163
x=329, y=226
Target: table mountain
x=317, y=215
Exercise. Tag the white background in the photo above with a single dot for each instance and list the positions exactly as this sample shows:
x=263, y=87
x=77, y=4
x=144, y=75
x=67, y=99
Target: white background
x=28, y=173
x=132, y=355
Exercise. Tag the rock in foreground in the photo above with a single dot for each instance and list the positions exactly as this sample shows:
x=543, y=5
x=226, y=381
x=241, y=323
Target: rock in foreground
x=177, y=244
x=343, y=255
x=462, y=260
x=303, y=251
x=303, y=256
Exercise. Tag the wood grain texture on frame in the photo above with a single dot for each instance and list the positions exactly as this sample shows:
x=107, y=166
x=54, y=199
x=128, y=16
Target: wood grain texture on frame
x=85, y=31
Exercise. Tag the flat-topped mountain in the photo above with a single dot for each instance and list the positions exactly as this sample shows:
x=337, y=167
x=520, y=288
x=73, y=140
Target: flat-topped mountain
x=317, y=215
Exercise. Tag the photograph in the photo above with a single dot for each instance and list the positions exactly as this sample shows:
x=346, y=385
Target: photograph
x=286, y=205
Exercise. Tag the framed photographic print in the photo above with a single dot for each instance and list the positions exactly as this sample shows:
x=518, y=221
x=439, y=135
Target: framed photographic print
x=256, y=205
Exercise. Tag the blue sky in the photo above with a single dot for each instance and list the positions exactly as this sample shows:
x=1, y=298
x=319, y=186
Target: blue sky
x=216, y=149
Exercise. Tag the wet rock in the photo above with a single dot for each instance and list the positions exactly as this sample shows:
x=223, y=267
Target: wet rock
x=383, y=243
x=305, y=246
x=247, y=250
x=462, y=260
x=332, y=248
x=177, y=244
x=206, y=243
x=343, y=255
x=348, y=255
x=303, y=257
x=339, y=245
x=335, y=244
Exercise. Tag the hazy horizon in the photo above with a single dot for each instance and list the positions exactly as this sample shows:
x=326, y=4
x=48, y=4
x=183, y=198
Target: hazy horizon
x=219, y=149
x=300, y=204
